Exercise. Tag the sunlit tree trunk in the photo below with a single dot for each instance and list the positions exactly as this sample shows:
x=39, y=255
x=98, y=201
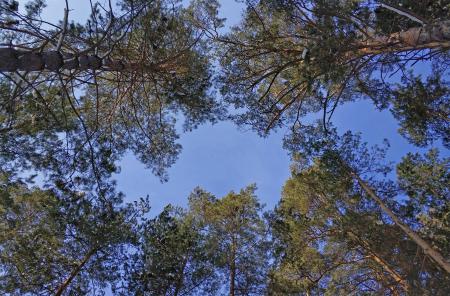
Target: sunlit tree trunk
x=426, y=247
x=380, y=261
x=373, y=255
x=429, y=36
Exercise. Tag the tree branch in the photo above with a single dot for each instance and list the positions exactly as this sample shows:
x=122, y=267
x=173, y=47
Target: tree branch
x=75, y=272
x=404, y=12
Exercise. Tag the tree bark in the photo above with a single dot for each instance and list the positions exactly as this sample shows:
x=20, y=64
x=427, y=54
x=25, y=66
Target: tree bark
x=429, y=36
x=426, y=247
x=373, y=255
x=397, y=278
x=75, y=272
x=12, y=60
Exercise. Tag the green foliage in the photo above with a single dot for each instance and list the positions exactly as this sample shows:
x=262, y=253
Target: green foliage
x=318, y=228
x=423, y=109
x=82, y=122
x=173, y=258
x=237, y=236
x=48, y=239
x=429, y=10
x=289, y=59
x=331, y=238
x=212, y=245
x=425, y=180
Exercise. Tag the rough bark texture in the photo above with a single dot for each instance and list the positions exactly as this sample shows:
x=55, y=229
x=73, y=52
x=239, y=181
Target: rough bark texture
x=15, y=60
x=429, y=36
x=372, y=254
x=8, y=60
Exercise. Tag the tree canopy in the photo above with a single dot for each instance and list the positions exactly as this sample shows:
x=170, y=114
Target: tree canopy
x=75, y=97
x=288, y=59
x=74, y=122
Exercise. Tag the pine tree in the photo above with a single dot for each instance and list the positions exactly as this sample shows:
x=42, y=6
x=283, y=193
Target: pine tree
x=338, y=199
x=237, y=236
x=117, y=84
x=61, y=243
x=172, y=257
x=291, y=58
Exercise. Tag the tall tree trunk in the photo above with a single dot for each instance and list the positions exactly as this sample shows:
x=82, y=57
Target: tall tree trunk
x=373, y=255
x=232, y=266
x=16, y=60
x=381, y=278
x=426, y=247
x=75, y=272
x=395, y=276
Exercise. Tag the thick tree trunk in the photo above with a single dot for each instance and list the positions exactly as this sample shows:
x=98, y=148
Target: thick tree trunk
x=388, y=284
x=429, y=36
x=15, y=60
x=427, y=249
x=397, y=278
x=75, y=272
x=372, y=254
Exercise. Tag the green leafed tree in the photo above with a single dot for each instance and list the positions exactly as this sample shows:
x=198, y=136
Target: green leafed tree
x=425, y=179
x=237, y=236
x=363, y=231
x=422, y=109
x=324, y=247
x=215, y=247
x=55, y=243
x=172, y=257
x=291, y=58
x=80, y=96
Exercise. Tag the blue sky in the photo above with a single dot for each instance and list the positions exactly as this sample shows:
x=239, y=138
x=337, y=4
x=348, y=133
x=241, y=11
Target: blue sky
x=220, y=157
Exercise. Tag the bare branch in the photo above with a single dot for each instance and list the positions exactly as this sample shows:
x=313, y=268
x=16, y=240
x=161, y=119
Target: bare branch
x=64, y=28
x=401, y=11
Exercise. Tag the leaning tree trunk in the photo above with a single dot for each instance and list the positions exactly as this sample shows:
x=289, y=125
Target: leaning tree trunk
x=60, y=290
x=380, y=261
x=426, y=247
x=365, y=245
